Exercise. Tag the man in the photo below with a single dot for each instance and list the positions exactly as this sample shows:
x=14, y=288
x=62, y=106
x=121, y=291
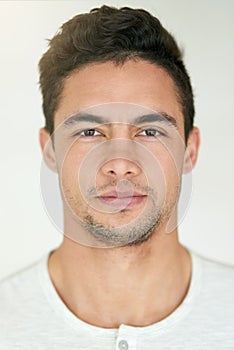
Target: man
x=119, y=133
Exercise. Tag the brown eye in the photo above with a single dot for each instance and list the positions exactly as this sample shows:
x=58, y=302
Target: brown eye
x=89, y=132
x=152, y=132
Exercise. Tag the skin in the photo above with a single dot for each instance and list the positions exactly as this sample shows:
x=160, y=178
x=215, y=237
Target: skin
x=132, y=284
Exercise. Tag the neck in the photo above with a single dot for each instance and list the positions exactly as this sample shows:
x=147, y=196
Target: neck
x=108, y=287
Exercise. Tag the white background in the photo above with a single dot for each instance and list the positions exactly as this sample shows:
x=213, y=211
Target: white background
x=205, y=29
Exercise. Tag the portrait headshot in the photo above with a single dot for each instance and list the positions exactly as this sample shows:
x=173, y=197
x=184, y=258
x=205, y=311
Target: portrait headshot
x=117, y=175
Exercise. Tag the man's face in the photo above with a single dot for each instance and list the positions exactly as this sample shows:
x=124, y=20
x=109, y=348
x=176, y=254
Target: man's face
x=143, y=162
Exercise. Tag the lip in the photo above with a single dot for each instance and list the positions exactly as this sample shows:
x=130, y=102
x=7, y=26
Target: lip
x=115, y=194
x=125, y=200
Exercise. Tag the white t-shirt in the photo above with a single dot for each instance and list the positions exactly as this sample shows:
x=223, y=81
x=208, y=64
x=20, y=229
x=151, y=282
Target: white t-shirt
x=33, y=317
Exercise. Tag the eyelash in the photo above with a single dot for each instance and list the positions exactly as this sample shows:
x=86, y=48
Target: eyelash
x=160, y=132
x=79, y=133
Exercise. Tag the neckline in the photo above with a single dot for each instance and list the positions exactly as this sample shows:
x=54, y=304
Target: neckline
x=63, y=312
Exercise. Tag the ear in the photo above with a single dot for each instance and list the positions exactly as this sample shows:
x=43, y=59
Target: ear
x=191, y=152
x=47, y=149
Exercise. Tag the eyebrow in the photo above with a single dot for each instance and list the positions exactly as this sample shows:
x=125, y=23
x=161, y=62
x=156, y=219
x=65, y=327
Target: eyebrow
x=153, y=117
x=85, y=117
x=156, y=117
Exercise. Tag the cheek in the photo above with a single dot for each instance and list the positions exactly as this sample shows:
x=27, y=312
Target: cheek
x=173, y=184
x=170, y=162
x=69, y=168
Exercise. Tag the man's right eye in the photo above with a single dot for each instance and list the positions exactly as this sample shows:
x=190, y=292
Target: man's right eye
x=87, y=133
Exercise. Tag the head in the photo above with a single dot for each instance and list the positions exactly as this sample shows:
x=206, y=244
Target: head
x=97, y=59
x=116, y=35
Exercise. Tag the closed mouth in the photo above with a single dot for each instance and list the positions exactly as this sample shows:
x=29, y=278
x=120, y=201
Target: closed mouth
x=120, y=195
x=125, y=200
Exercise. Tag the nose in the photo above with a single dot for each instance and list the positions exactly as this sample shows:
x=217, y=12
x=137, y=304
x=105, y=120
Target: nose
x=120, y=168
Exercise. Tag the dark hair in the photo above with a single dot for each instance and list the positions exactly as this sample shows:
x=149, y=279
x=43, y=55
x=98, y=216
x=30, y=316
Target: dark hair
x=111, y=34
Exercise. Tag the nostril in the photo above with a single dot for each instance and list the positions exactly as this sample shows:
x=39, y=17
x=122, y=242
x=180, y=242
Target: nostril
x=120, y=167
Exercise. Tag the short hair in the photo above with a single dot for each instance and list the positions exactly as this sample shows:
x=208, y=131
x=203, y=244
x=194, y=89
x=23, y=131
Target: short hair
x=117, y=35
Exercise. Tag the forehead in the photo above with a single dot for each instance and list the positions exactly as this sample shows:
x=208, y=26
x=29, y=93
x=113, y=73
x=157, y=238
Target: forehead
x=134, y=82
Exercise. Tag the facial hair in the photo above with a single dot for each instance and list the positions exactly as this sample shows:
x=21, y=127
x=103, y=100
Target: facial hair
x=136, y=232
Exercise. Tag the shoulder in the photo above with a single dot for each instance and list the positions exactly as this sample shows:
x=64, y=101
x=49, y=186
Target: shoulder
x=19, y=275
x=216, y=270
x=217, y=282
x=23, y=305
x=19, y=287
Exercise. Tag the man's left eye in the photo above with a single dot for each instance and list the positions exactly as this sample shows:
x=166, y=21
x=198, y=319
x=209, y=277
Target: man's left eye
x=152, y=132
